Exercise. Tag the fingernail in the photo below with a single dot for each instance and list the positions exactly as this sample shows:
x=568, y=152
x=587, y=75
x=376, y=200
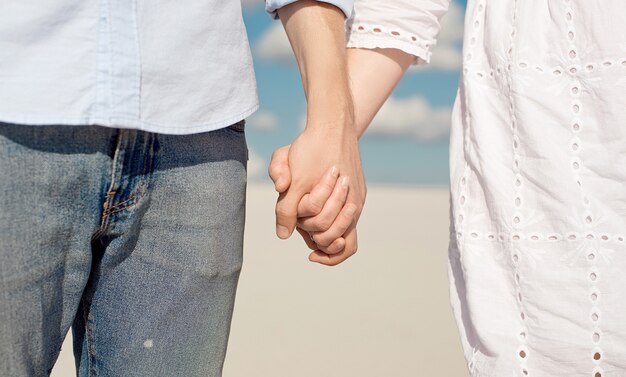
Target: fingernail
x=345, y=182
x=282, y=232
x=334, y=171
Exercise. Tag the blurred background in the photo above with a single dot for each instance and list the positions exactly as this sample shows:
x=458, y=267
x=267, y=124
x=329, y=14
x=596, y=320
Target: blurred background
x=385, y=312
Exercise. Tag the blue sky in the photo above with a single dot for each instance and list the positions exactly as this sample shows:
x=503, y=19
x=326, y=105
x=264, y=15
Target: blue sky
x=407, y=143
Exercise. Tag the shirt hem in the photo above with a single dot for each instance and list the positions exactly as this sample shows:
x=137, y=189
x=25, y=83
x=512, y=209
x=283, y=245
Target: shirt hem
x=122, y=122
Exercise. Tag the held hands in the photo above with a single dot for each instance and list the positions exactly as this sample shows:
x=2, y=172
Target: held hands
x=322, y=192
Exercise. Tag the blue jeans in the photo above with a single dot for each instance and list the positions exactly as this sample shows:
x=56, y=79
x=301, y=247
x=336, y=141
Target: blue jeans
x=134, y=239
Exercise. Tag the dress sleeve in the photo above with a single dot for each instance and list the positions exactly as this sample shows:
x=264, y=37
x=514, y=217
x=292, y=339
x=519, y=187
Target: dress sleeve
x=409, y=25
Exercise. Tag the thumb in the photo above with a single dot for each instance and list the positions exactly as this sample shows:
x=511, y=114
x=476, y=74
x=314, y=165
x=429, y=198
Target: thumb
x=279, y=169
x=287, y=212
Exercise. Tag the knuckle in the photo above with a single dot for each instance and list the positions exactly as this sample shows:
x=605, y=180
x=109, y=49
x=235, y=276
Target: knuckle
x=325, y=223
x=282, y=212
x=314, y=207
x=306, y=226
x=328, y=186
x=344, y=225
x=339, y=243
x=271, y=170
x=274, y=170
x=337, y=248
x=318, y=225
x=348, y=216
x=315, y=226
x=322, y=241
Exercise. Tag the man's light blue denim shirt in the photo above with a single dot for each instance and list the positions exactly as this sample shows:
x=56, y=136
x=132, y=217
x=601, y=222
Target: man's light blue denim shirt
x=273, y=5
x=161, y=66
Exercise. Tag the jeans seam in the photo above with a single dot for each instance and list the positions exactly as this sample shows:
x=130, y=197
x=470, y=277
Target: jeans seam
x=140, y=192
x=110, y=193
x=142, y=185
x=140, y=195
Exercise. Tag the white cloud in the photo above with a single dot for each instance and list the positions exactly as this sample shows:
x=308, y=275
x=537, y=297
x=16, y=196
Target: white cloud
x=257, y=166
x=263, y=121
x=274, y=44
x=412, y=117
x=446, y=54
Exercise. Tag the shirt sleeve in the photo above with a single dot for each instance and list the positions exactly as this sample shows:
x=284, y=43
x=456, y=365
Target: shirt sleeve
x=271, y=6
x=409, y=25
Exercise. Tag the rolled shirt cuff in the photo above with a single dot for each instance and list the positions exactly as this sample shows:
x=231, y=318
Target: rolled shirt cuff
x=363, y=39
x=271, y=6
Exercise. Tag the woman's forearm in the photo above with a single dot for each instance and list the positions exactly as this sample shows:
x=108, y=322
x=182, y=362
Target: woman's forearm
x=374, y=73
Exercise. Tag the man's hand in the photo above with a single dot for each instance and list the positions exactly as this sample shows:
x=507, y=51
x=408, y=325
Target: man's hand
x=327, y=214
x=308, y=158
x=329, y=189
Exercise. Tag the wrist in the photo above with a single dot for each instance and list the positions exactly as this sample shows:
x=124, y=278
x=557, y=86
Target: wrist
x=331, y=119
x=330, y=108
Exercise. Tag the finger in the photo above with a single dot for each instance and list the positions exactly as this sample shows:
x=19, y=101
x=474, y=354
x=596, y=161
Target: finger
x=279, y=169
x=313, y=203
x=287, y=211
x=307, y=239
x=332, y=208
x=335, y=247
x=344, y=220
x=334, y=259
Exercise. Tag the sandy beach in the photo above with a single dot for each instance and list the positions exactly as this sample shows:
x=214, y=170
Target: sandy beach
x=384, y=313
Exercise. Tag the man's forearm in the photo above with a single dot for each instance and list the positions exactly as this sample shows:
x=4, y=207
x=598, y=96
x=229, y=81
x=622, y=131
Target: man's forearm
x=316, y=33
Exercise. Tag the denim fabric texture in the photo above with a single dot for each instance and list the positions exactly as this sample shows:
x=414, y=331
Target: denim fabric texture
x=131, y=238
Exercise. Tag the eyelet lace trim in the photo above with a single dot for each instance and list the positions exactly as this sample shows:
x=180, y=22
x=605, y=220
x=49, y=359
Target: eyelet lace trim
x=384, y=31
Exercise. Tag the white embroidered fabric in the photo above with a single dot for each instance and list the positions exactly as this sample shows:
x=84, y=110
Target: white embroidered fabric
x=537, y=256
x=408, y=25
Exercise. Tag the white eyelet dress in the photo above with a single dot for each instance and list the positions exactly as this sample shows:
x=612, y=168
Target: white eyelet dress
x=537, y=256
